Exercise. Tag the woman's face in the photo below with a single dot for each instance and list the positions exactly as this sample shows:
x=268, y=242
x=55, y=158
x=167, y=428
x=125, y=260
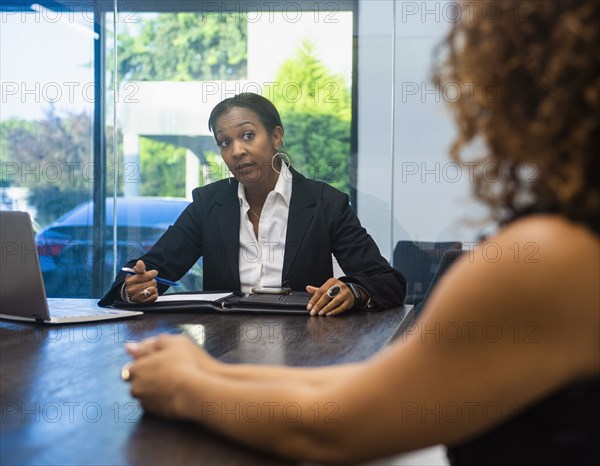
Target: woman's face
x=246, y=146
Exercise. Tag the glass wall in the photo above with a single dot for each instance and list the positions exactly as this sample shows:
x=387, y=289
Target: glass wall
x=350, y=78
x=408, y=188
x=431, y=194
x=47, y=130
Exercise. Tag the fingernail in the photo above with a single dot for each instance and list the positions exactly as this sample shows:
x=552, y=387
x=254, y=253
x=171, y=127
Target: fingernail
x=309, y=307
x=132, y=346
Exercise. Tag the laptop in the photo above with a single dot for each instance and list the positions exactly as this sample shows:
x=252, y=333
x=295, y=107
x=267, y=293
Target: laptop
x=22, y=292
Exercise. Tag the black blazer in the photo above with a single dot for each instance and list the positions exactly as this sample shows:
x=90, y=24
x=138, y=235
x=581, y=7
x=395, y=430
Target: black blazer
x=320, y=222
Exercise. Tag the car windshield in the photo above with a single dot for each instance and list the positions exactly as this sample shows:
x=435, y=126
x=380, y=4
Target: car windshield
x=157, y=212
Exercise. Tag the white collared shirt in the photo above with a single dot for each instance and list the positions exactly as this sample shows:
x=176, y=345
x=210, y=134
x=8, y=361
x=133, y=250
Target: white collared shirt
x=261, y=259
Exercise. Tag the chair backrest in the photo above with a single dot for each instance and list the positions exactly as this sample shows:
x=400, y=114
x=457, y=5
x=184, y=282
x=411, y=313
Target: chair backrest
x=449, y=258
x=418, y=262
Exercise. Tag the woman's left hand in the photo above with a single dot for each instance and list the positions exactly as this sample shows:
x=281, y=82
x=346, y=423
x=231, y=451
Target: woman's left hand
x=162, y=365
x=322, y=304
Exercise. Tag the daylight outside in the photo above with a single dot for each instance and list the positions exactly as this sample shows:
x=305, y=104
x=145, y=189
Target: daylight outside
x=99, y=196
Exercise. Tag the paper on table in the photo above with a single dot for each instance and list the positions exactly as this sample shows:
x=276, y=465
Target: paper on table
x=173, y=298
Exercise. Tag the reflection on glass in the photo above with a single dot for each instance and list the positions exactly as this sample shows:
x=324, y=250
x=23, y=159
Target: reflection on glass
x=196, y=332
x=47, y=78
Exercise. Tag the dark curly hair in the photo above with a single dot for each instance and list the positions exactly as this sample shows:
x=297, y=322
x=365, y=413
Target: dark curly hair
x=530, y=79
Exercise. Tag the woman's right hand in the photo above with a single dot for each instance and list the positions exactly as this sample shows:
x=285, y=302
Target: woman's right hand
x=141, y=287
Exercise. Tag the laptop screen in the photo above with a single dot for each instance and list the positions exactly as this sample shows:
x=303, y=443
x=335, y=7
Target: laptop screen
x=22, y=290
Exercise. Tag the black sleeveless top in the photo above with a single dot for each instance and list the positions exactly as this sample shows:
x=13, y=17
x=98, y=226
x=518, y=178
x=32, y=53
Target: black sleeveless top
x=561, y=429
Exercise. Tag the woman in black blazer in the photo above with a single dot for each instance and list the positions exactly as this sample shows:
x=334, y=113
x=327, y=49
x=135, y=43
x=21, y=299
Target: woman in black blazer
x=269, y=226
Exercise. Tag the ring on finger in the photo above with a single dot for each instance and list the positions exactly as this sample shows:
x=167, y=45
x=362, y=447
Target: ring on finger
x=334, y=291
x=125, y=374
x=146, y=292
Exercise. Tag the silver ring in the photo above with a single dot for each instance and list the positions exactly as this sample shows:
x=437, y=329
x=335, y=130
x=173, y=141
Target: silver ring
x=125, y=374
x=146, y=292
x=334, y=291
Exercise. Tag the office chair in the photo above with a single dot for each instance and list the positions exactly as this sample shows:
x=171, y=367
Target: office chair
x=418, y=262
x=449, y=258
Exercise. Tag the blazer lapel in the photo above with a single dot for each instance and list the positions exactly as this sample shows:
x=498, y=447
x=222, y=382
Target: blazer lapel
x=300, y=216
x=228, y=220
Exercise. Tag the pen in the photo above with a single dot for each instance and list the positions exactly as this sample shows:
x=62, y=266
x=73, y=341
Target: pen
x=164, y=281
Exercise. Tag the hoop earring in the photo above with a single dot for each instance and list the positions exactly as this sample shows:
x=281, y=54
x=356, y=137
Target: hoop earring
x=281, y=155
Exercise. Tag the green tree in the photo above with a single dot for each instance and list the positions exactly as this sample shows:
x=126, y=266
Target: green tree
x=315, y=107
x=47, y=157
x=162, y=169
x=179, y=47
x=184, y=47
x=52, y=158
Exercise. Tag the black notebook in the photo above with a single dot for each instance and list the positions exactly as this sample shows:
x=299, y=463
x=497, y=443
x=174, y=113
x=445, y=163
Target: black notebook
x=294, y=302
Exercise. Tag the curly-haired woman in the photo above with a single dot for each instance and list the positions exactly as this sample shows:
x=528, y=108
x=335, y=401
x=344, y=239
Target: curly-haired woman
x=520, y=382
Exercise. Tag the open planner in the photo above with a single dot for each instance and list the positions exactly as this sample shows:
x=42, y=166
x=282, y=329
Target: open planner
x=291, y=303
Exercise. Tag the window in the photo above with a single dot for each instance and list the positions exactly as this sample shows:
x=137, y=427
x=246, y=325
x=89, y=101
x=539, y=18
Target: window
x=350, y=78
x=47, y=123
x=175, y=61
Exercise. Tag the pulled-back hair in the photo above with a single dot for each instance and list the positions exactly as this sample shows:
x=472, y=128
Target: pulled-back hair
x=264, y=109
x=530, y=80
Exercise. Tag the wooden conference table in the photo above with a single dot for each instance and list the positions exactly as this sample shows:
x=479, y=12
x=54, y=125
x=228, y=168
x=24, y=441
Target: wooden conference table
x=63, y=401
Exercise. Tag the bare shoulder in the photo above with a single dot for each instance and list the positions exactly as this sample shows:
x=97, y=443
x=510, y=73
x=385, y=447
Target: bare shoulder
x=555, y=261
x=551, y=230
x=542, y=260
x=540, y=272
x=539, y=246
